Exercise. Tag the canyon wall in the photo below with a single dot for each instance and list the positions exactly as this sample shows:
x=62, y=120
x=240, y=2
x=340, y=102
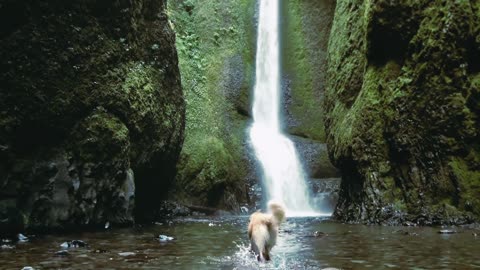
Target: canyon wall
x=402, y=108
x=91, y=112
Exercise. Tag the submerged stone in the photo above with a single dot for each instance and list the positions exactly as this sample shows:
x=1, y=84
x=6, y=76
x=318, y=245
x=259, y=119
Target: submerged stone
x=6, y=247
x=319, y=234
x=22, y=238
x=447, y=232
x=62, y=253
x=126, y=254
x=165, y=238
x=74, y=244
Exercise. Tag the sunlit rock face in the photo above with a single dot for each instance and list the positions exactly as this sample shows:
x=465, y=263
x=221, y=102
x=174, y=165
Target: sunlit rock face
x=402, y=110
x=91, y=112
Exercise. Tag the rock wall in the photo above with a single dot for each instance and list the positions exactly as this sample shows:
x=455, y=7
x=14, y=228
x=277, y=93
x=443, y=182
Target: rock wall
x=215, y=41
x=402, y=110
x=91, y=112
x=305, y=28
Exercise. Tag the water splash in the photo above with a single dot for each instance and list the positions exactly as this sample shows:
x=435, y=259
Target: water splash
x=283, y=175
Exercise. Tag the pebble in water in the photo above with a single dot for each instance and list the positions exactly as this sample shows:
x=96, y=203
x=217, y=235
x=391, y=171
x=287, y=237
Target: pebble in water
x=28, y=268
x=447, y=232
x=74, y=244
x=22, y=238
x=126, y=254
x=409, y=224
x=319, y=234
x=165, y=238
x=6, y=247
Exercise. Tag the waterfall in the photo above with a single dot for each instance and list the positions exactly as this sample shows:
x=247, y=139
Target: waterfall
x=283, y=175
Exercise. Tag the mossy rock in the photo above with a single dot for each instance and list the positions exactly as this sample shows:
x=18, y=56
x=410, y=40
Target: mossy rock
x=90, y=96
x=209, y=175
x=216, y=44
x=402, y=123
x=305, y=33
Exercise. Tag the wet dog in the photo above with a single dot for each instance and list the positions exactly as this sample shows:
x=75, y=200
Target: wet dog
x=263, y=230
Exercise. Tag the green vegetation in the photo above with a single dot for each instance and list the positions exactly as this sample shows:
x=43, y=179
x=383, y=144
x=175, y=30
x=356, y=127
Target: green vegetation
x=305, y=37
x=468, y=177
x=402, y=122
x=216, y=52
x=100, y=137
x=86, y=97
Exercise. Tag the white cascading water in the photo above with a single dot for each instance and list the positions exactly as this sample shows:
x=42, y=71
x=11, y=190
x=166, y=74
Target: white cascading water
x=284, y=179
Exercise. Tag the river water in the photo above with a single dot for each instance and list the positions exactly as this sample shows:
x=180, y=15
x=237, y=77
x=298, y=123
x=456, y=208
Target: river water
x=222, y=243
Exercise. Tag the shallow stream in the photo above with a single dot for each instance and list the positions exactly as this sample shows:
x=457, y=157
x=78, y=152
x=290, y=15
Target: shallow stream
x=221, y=243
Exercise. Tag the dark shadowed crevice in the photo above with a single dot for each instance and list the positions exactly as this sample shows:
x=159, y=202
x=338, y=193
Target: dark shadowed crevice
x=389, y=32
x=473, y=56
x=13, y=14
x=386, y=46
x=215, y=195
x=152, y=183
x=351, y=192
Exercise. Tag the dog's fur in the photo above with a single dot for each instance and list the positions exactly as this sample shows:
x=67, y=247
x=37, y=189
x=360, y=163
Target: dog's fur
x=263, y=230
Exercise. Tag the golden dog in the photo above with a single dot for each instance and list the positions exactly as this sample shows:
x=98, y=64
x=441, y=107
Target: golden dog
x=263, y=230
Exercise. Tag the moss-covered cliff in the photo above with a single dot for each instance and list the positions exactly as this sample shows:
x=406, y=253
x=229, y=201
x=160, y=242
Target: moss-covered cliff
x=305, y=28
x=402, y=110
x=215, y=41
x=91, y=111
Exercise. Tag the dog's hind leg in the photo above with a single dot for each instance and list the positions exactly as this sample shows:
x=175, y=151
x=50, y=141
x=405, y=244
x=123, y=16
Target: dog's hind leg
x=266, y=255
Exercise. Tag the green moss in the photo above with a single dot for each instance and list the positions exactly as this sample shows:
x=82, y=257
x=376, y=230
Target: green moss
x=399, y=206
x=210, y=166
x=396, y=106
x=469, y=183
x=305, y=36
x=100, y=136
x=476, y=81
x=209, y=35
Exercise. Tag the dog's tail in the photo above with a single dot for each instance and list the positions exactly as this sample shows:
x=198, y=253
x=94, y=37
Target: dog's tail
x=278, y=211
